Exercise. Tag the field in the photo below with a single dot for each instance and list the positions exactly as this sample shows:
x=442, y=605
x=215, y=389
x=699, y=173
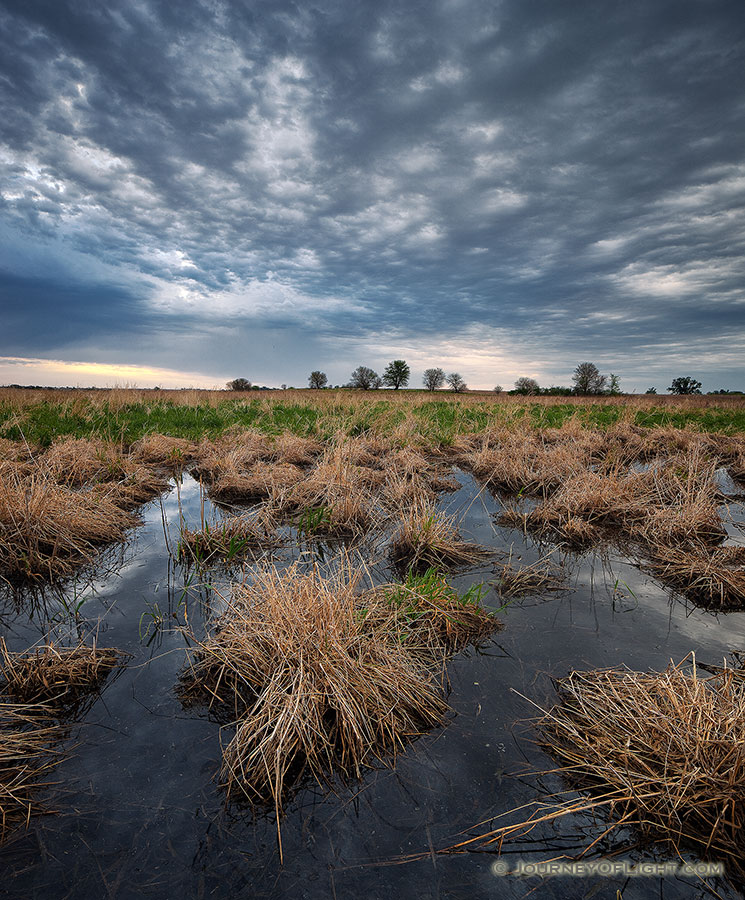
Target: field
x=308, y=598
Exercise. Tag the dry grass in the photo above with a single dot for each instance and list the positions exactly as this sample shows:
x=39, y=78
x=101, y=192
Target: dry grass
x=338, y=490
x=163, y=450
x=661, y=752
x=26, y=759
x=55, y=676
x=535, y=578
x=426, y=538
x=316, y=689
x=138, y=486
x=714, y=579
x=48, y=530
x=78, y=461
x=229, y=539
x=46, y=684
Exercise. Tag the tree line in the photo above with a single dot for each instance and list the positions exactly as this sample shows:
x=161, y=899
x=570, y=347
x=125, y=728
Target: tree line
x=587, y=381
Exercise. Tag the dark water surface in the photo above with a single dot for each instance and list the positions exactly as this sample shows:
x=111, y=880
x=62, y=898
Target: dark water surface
x=139, y=810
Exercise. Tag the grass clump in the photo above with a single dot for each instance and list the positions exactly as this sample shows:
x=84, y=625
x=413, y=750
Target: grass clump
x=55, y=676
x=659, y=752
x=228, y=540
x=426, y=538
x=535, y=578
x=315, y=688
x=435, y=615
x=48, y=530
x=713, y=579
x=27, y=734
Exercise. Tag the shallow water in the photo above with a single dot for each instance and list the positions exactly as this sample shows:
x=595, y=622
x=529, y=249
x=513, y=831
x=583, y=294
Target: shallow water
x=140, y=813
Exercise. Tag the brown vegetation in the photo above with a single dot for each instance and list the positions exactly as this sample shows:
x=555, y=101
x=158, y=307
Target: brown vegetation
x=48, y=530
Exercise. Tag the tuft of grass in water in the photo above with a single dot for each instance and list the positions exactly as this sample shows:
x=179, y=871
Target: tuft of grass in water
x=660, y=752
x=57, y=677
x=538, y=577
x=426, y=538
x=426, y=602
x=228, y=540
x=48, y=530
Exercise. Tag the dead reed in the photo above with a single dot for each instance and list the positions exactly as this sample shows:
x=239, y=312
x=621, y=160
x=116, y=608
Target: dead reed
x=27, y=735
x=714, y=579
x=164, y=451
x=535, y=578
x=78, y=461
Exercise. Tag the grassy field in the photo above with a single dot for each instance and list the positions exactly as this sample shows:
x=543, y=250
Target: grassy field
x=656, y=478
x=124, y=415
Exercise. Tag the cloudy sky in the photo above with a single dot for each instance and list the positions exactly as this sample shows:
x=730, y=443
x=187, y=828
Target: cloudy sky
x=198, y=190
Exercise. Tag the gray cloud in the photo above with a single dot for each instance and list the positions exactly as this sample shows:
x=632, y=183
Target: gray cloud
x=566, y=179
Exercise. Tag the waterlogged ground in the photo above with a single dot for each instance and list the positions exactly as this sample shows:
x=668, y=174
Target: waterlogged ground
x=141, y=814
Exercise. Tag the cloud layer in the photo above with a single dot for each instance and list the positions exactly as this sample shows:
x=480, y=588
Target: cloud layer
x=265, y=189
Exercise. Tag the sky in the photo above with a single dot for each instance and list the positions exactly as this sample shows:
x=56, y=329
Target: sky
x=197, y=191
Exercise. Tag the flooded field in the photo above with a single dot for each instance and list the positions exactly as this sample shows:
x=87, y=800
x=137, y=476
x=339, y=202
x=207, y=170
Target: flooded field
x=137, y=808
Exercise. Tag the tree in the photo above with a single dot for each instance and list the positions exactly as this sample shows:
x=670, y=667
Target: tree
x=527, y=386
x=497, y=389
x=396, y=374
x=456, y=382
x=685, y=385
x=318, y=380
x=364, y=379
x=614, y=384
x=239, y=384
x=433, y=379
x=652, y=390
x=587, y=379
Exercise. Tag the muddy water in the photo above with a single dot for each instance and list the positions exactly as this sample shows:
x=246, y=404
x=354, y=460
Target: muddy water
x=140, y=813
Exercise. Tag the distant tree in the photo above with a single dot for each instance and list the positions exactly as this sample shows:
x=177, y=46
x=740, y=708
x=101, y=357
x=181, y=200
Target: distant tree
x=652, y=390
x=239, y=384
x=364, y=379
x=497, y=388
x=396, y=374
x=587, y=379
x=377, y=383
x=527, y=386
x=433, y=379
x=614, y=384
x=685, y=385
x=456, y=382
x=318, y=380
x=283, y=386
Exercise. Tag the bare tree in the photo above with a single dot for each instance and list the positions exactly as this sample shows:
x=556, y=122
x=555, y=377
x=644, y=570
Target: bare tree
x=527, y=386
x=433, y=379
x=318, y=380
x=456, y=382
x=396, y=374
x=587, y=379
x=365, y=379
x=497, y=388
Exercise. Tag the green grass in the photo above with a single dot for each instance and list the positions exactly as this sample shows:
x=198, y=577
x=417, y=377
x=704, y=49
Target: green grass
x=438, y=421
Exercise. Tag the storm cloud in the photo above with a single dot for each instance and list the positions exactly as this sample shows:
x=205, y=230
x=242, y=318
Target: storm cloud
x=262, y=189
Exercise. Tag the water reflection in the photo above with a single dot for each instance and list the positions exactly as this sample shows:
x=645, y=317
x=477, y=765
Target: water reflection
x=141, y=813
